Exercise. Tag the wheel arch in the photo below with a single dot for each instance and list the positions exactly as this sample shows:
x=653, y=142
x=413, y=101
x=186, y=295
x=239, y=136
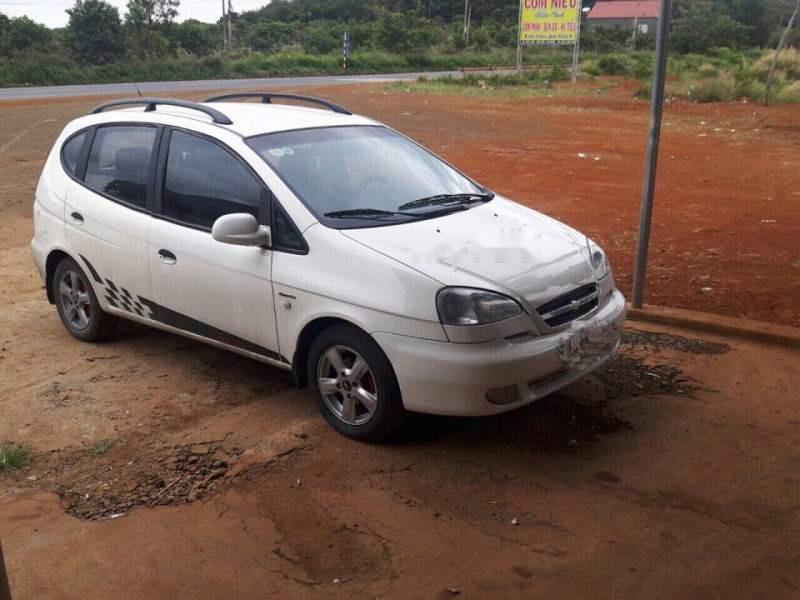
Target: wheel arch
x=307, y=336
x=54, y=258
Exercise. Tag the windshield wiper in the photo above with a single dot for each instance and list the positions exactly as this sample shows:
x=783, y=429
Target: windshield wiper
x=364, y=213
x=447, y=199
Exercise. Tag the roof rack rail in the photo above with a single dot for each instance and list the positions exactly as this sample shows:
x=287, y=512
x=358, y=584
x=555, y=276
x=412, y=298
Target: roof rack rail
x=266, y=98
x=216, y=116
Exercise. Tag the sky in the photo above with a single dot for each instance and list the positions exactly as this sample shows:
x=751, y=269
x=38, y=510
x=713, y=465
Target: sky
x=51, y=12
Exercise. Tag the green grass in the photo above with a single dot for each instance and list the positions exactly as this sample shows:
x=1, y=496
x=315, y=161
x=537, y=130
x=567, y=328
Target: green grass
x=14, y=457
x=46, y=69
x=104, y=446
x=505, y=85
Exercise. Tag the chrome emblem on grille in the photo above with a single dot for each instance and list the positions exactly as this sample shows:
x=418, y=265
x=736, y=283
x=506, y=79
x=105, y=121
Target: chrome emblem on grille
x=575, y=304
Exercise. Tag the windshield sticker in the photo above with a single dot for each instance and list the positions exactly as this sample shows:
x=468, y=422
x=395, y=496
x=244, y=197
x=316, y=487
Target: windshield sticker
x=276, y=151
x=287, y=151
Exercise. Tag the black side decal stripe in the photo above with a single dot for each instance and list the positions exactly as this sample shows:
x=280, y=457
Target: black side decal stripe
x=121, y=298
x=185, y=323
x=92, y=270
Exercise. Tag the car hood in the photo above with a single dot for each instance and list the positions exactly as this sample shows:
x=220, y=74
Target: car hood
x=499, y=245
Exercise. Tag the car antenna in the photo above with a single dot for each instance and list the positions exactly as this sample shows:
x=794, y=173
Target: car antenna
x=138, y=91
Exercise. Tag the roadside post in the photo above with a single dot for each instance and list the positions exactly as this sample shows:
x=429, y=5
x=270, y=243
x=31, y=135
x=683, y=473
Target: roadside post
x=5, y=592
x=345, y=49
x=550, y=23
x=519, y=38
x=651, y=157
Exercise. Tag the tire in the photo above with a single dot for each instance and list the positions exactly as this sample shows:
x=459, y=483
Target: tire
x=363, y=403
x=77, y=304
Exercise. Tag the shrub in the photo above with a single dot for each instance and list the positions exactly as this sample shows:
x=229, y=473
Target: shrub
x=717, y=89
x=13, y=457
x=788, y=66
x=613, y=64
x=707, y=71
x=789, y=94
x=558, y=73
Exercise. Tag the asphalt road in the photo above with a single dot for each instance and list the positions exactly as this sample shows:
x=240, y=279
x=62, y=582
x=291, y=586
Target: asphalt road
x=153, y=87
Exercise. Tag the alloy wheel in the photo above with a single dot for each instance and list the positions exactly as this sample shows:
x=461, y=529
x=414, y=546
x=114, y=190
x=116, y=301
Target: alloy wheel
x=73, y=295
x=347, y=385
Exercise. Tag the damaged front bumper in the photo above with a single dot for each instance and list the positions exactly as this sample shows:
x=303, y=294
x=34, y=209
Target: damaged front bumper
x=494, y=377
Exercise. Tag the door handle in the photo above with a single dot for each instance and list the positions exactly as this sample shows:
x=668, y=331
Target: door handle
x=77, y=218
x=167, y=257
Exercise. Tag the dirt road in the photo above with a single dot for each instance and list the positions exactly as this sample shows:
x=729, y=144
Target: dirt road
x=163, y=468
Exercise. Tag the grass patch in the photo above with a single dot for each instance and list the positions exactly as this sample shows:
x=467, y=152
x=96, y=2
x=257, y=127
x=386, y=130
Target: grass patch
x=104, y=446
x=714, y=89
x=507, y=85
x=14, y=457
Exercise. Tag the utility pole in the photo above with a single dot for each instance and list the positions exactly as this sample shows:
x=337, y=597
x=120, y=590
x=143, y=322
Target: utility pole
x=651, y=159
x=224, y=29
x=230, y=37
x=467, y=18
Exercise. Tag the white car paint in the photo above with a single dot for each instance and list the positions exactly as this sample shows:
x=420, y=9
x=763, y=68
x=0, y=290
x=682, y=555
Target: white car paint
x=383, y=280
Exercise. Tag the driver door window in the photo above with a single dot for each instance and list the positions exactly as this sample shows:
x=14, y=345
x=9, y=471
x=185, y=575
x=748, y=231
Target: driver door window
x=203, y=181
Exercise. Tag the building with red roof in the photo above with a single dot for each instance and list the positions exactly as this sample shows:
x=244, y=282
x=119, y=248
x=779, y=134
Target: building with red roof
x=641, y=15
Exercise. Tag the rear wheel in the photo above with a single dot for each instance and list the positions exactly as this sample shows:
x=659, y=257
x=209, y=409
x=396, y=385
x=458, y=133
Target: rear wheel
x=355, y=385
x=77, y=304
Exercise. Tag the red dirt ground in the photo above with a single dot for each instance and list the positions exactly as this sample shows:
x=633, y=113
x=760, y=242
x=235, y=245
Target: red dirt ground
x=671, y=473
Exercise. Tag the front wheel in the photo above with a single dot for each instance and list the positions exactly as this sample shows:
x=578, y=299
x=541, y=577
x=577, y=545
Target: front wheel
x=355, y=385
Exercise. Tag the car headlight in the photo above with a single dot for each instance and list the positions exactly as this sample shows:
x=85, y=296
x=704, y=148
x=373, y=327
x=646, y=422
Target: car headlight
x=599, y=260
x=470, y=306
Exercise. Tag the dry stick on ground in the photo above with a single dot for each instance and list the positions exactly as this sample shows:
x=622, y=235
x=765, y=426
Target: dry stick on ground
x=778, y=50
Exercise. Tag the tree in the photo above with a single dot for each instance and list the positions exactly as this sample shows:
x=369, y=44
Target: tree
x=268, y=36
x=145, y=18
x=94, y=33
x=5, y=32
x=196, y=37
x=25, y=35
x=699, y=25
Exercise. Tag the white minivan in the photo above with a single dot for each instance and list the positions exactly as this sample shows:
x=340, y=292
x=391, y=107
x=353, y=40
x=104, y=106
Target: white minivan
x=323, y=242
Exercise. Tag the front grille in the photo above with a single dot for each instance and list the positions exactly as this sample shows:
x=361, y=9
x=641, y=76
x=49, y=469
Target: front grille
x=569, y=306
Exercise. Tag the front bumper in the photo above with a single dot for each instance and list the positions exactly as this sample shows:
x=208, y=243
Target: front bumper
x=453, y=379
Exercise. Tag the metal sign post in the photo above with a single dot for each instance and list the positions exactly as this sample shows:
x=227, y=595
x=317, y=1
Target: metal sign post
x=5, y=592
x=519, y=38
x=651, y=159
x=576, y=50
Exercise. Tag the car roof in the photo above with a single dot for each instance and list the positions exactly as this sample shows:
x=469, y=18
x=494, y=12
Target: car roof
x=248, y=118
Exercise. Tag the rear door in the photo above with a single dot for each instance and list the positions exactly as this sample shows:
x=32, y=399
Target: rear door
x=218, y=291
x=107, y=204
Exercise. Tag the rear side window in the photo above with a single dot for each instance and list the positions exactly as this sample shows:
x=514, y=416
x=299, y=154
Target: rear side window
x=71, y=153
x=119, y=162
x=203, y=181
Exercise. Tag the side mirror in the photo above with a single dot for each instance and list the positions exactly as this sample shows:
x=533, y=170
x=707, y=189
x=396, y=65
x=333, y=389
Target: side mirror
x=241, y=229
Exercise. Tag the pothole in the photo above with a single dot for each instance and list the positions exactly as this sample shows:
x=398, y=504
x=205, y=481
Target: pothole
x=97, y=487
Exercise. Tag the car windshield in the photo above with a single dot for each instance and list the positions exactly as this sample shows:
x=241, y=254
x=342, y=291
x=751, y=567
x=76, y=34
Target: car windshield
x=351, y=175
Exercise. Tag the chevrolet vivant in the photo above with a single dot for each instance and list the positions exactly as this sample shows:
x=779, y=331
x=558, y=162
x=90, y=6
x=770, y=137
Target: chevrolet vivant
x=323, y=242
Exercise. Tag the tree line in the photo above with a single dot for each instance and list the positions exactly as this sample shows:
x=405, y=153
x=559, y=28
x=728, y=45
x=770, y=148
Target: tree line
x=97, y=34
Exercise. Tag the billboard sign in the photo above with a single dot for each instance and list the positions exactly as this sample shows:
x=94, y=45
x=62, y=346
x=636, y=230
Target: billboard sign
x=549, y=21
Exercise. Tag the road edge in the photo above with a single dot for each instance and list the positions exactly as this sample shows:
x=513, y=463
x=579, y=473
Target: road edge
x=757, y=331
